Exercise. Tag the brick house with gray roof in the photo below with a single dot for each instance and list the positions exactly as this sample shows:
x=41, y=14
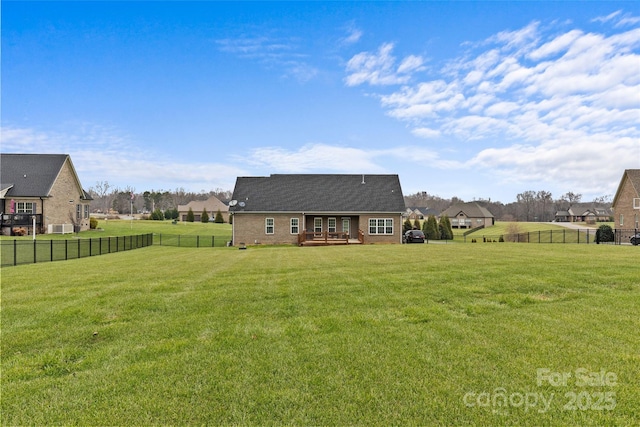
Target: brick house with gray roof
x=626, y=202
x=41, y=186
x=308, y=208
x=469, y=215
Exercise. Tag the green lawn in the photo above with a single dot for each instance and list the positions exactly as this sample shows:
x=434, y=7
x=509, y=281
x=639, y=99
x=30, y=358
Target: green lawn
x=357, y=335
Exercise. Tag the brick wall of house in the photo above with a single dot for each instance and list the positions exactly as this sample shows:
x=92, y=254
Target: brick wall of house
x=624, y=207
x=60, y=207
x=250, y=228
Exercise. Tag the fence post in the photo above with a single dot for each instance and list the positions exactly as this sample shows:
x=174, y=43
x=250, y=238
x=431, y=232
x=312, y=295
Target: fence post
x=66, y=249
x=15, y=252
x=90, y=245
x=51, y=254
x=198, y=241
x=34, y=252
x=212, y=241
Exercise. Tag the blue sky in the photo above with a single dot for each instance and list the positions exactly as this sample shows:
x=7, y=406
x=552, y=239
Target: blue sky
x=470, y=99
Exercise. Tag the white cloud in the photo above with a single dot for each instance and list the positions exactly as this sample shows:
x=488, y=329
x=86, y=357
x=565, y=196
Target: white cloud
x=353, y=36
x=555, y=105
x=379, y=68
x=102, y=154
x=272, y=52
x=319, y=158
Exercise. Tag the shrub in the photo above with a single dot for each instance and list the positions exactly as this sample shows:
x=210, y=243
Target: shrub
x=604, y=234
x=446, y=233
x=157, y=215
x=219, y=218
x=190, y=216
x=205, y=216
x=430, y=228
x=93, y=223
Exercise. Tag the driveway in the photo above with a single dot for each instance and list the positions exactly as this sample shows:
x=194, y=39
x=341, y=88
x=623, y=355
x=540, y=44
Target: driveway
x=573, y=226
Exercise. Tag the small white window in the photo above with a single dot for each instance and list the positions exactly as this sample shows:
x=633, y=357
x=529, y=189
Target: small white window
x=636, y=203
x=331, y=225
x=295, y=225
x=621, y=220
x=317, y=225
x=269, y=227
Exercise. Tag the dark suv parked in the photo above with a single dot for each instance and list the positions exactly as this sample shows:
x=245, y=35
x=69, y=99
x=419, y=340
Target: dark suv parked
x=414, y=236
x=635, y=239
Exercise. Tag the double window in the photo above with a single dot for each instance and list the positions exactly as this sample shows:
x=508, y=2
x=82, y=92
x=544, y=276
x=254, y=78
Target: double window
x=25, y=207
x=381, y=226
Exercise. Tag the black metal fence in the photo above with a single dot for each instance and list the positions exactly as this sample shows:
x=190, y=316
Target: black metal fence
x=16, y=252
x=577, y=236
x=189, y=241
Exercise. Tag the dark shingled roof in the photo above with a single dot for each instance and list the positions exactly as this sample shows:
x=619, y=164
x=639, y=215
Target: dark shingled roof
x=319, y=193
x=470, y=209
x=30, y=175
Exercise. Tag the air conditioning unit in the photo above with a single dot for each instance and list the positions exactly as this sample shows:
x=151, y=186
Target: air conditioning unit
x=60, y=228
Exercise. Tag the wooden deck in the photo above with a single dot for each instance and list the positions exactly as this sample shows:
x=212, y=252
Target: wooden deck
x=326, y=238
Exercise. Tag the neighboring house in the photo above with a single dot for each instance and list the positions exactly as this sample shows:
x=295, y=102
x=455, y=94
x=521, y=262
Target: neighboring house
x=301, y=209
x=588, y=215
x=626, y=203
x=564, y=216
x=469, y=215
x=420, y=213
x=44, y=187
x=212, y=205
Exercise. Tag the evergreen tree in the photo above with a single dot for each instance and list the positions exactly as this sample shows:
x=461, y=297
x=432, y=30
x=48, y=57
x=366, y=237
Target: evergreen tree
x=157, y=215
x=205, y=216
x=219, y=218
x=416, y=224
x=446, y=233
x=430, y=228
x=406, y=226
x=190, y=216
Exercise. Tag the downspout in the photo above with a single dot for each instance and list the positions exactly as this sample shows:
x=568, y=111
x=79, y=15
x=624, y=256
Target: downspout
x=42, y=213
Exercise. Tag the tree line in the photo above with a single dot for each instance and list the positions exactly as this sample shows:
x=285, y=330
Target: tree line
x=107, y=198
x=528, y=206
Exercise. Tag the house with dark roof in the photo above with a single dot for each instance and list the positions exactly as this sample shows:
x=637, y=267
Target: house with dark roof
x=589, y=215
x=212, y=206
x=626, y=202
x=469, y=215
x=317, y=209
x=43, y=189
x=421, y=213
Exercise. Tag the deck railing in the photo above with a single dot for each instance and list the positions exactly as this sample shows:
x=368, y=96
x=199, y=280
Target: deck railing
x=328, y=237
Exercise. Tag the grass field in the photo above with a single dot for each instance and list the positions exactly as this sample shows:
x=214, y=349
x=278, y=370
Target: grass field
x=358, y=335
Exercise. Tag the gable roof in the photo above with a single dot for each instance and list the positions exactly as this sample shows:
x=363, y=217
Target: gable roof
x=470, y=209
x=634, y=179
x=212, y=204
x=32, y=175
x=423, y=211
x=319, y=193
